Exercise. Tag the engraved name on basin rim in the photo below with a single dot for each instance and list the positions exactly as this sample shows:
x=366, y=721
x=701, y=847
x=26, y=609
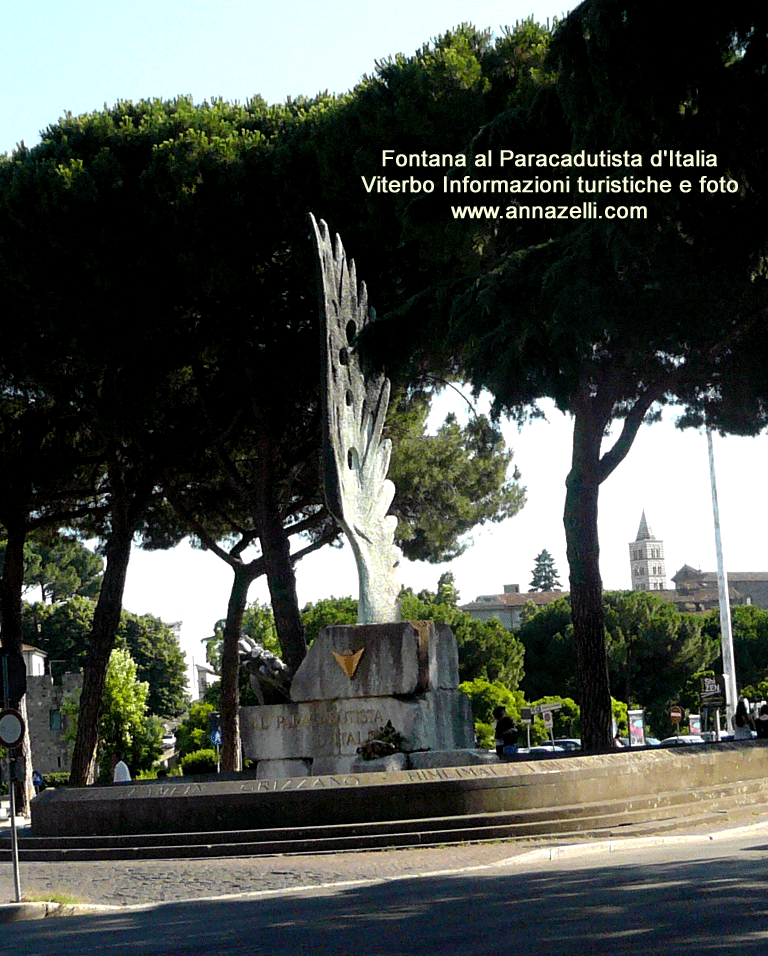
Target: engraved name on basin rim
x=429, y=775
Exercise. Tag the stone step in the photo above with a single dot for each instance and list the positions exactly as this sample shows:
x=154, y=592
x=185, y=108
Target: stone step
x=658, y=813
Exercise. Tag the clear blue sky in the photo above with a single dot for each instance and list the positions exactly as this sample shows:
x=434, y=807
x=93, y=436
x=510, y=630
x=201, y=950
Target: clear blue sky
x=77, y=56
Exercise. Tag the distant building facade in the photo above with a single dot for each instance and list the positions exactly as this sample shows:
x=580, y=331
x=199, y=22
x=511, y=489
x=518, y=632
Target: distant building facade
x=646, y=560
x=508, y=607
x=698, y=587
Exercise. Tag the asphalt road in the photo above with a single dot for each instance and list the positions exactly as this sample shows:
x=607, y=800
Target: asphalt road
x=692, y=897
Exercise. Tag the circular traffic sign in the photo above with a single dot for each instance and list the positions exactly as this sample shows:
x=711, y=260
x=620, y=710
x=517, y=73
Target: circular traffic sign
x=11, y=728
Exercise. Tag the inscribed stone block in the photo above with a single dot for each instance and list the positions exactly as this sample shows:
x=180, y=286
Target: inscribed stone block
x=377, y=660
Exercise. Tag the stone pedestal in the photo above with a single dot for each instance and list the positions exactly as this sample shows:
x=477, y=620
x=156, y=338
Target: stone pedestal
x=354, y=680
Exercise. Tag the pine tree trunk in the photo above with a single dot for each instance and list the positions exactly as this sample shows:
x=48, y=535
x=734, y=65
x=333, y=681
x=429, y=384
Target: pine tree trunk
x=230, y=667
x=580, y=519
x=276, y=549
x=281, y=580
x=106, y=620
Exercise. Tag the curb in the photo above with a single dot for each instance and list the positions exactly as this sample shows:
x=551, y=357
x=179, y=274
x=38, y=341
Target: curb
x=15, y=912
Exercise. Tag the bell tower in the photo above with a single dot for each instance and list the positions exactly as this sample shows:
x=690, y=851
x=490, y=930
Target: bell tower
x=646, y=560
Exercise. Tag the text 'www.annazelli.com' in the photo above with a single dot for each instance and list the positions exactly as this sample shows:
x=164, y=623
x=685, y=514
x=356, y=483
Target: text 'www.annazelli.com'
x=586, y=210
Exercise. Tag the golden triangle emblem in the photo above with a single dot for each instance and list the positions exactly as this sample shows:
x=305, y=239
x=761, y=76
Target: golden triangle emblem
x=348, y=661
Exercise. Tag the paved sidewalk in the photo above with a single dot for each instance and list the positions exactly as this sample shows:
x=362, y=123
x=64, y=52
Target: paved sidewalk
x=133, y=883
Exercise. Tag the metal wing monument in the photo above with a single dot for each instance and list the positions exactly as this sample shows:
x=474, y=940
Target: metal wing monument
x=359, y=681
x=355, y=455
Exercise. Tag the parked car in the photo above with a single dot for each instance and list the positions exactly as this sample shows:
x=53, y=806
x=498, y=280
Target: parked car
x=539, y=749
x=570, y=744
x=682, y=740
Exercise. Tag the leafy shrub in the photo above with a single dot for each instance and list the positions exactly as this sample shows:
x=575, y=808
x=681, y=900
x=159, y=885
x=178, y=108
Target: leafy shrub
x=486, y=735
x=56, y=779
x=192, y=734
x=200, y=761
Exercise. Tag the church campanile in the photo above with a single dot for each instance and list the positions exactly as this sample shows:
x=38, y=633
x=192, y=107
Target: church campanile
x=646, y=560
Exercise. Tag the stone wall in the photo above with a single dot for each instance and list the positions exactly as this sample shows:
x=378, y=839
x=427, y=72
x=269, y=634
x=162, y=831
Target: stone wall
x=50, y=752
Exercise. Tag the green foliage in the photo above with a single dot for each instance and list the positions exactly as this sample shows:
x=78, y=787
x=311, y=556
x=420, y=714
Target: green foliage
x=550, y=657
x=485, y=696
x=447, y=483
x=544, y=573
x=124, y=726
x=757, y=691
x=62, y=631
x=192, y=733
x=652, y=650
x=60, y=566
x=619, y=714
x=447, y=592
x=198, y=762
x=486, y=649
x=326, y=612
x=159, y=661
x=155, y=771
x=565, y=722
x=56, y=779
x=749, y=628
x=124, y=703
x=485, y=735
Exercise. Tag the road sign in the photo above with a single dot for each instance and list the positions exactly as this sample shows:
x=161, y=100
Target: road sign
x=37, y=778
x=216, y=738
x=548, y=718
x=676, y=713
x=11, y=728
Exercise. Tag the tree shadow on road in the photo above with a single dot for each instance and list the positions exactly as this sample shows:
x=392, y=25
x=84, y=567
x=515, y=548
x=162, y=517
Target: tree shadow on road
x=715, y=907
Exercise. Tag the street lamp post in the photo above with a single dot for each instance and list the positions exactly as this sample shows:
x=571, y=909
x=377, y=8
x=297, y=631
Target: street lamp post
x=726, y=636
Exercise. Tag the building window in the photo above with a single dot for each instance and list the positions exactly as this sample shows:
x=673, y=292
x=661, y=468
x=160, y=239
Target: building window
x=54, y=721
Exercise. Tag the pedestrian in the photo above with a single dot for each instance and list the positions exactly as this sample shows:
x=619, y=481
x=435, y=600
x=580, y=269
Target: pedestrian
x=121, y=773
x=618, y=743
x=761, y=722
x=742, y=722
x=506, y=733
